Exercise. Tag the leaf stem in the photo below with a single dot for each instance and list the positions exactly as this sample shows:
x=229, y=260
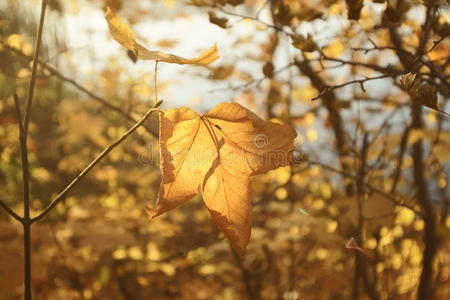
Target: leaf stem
x=155, y=82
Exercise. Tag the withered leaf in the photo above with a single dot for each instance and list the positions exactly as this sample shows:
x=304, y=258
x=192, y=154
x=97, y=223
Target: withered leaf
x=306, y=44
x=214, y=19
x=123, y=34
x=421, y=92
x=354, y=9
x=215, y=154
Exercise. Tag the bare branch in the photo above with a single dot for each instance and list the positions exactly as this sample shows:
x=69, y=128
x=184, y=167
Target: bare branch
x=10, y=211
x=361, y=82
x=53, y=71
x=396, y=201
x=83, y=173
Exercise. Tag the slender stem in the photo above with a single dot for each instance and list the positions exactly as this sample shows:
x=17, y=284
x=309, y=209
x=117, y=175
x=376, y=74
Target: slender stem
x=23, y=135
x=37, y=50
x=18, y=112
x=155, y=82
x=83, y=173
x=27, y=258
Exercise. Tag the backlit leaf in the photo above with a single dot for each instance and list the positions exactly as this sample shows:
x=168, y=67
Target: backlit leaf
x=215, y=154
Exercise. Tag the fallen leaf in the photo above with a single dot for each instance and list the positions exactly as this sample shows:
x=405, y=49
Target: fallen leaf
x=123, y=34
x=215, y=154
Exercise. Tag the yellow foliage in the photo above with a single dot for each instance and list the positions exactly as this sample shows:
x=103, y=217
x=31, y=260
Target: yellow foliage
x=153, y=252
x=135, y=253
x=396, y=261
x=336, y=8
x=23, y=73
x=332, y=226
x=314, y=171
x=371, y=243
x=304, y=93
x=41, y=174
x=334, y=49
x=397, y=232
x=318, y=204
x=405, y=216
x=281, y=175
x=281, y=193
x=419, y=225
x=325, y=190
x=207, y=269
x=322, y=253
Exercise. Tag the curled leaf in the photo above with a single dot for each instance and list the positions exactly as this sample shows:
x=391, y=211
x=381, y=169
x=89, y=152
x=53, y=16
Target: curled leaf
x=409, y=82
x=123, y=34
x=423, y=93
x=214, y=19
x=215, y=154
x=306, y=44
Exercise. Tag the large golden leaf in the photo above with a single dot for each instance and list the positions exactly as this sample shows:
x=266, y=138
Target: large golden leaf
x=123, y=34
x=215, y=154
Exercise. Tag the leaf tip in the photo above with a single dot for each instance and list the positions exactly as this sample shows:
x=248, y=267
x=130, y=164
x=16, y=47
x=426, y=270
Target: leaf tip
x=151, y=212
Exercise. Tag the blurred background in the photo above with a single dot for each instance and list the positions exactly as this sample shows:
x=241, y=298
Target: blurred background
x=365, y=215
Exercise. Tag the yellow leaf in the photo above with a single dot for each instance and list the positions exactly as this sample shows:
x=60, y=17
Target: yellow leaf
x=306, y=44
x=281, y=193
x=405, y=216
x=123, y=34
x=334, y=49
x=215, y=154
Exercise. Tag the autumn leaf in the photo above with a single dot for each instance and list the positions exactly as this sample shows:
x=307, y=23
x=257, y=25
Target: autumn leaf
x=354, y=9
x=214, y=19
x=306, y=44
x=215, y=154
x=123, y=34
x=421, y=92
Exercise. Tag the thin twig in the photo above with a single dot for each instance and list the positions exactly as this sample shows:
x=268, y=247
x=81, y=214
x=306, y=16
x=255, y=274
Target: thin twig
x=253, y=81
x=10, y=211
x=18, y=112
x=395, y=200
x=83, y=173
x=360, y=81
x=53, y=71
x=243, y=17
x=37, y=50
